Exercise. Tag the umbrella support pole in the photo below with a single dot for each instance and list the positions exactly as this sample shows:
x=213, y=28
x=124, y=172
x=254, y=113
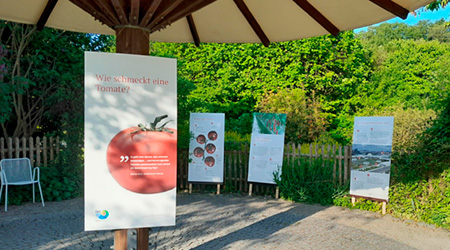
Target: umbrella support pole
x=132, y=40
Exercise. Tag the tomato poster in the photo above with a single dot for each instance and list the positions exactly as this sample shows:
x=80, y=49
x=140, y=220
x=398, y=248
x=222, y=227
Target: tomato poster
x=206, y=147
x=130, y=141
x=267, y=147
x=371, y=157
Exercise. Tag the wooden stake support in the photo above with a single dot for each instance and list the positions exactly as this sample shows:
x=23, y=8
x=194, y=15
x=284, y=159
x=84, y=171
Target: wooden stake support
x=353, y=200
x=277, y=192
x=190, y=188
x=120, y=239
x=250, y=189
x=218, y=189
x=383, y=208
x=142, y=238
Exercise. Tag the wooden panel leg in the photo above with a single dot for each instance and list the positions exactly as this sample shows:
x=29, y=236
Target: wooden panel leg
x=120, y=239
x=142, y=238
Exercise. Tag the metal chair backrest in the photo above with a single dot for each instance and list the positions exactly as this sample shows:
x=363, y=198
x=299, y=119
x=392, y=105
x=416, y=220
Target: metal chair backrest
x=16, y=170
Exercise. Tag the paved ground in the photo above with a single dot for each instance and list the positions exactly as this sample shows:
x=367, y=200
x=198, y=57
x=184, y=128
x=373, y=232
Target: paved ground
x=224, y=222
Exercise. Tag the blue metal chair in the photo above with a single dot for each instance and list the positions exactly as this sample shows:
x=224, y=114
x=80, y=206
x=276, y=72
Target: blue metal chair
x=18, y=172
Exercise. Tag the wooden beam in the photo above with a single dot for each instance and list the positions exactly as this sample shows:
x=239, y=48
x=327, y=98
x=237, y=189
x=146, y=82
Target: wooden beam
x=182, y=11
x=120, y=11
x=193, y=29
x=252, y=21
x=134, y=12
x=149, y=14
x=87, y=6
x=316, y=15
x=164, y=10
x=107, y=10
x=392, y=7
x=46, y=14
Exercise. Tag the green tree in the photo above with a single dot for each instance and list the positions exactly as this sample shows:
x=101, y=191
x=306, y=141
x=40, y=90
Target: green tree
x=412, y=73
x=437, y=4
x=42, y=93
x=232, y=78
x=384, y=33
x=41, y=78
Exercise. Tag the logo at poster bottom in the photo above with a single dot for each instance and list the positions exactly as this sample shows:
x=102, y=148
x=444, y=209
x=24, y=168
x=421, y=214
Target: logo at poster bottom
x=102, y=214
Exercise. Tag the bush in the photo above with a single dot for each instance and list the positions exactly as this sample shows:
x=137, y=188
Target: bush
x=305, y=121
x=236, y=141
x=56, y=186
x=59, y=185
x=423, y=200
x=431, y=153
x=308, y=181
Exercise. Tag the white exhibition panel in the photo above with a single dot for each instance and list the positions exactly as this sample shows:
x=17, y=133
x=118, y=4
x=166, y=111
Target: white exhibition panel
x=267, y=147
x=206, y=147
x=130, y=174
x=371, y=157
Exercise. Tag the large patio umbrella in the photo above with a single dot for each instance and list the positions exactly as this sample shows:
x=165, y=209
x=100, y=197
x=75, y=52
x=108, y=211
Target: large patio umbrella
x=135, y=22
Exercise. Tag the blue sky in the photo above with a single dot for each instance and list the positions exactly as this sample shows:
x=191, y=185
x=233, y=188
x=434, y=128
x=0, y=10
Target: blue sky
x=422, y=14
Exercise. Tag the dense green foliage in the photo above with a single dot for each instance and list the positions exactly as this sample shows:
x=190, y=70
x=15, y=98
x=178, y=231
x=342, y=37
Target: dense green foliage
x=420, y=200
x=410, y=78
x=305, y=123
x=42, y=94
x=408, y=72
x=233, y=78
x=432, y=152
x=308, y=180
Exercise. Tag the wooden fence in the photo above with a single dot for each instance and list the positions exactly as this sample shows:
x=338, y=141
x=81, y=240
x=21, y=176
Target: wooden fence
x=236, y=165
x=43, y=151
x=40, y=151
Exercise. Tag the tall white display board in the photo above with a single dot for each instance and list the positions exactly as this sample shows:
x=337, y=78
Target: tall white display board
x=267, y=147
x=371, y=157
x=206, y=148
x=130, y=141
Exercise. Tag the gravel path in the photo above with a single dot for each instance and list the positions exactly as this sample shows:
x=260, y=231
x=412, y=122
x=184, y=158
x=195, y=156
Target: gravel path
x=224, y=222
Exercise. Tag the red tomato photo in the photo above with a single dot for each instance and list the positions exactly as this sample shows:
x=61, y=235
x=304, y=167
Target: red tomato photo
x=151, y=164
x=198, y=152
x=212, y=135
x=209, y=161
x=210, y=148
x=201, y=139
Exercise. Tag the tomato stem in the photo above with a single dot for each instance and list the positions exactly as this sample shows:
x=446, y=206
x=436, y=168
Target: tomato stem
x=153, y=126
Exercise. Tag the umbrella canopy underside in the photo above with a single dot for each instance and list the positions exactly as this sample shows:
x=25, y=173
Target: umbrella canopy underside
x=220, y=21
